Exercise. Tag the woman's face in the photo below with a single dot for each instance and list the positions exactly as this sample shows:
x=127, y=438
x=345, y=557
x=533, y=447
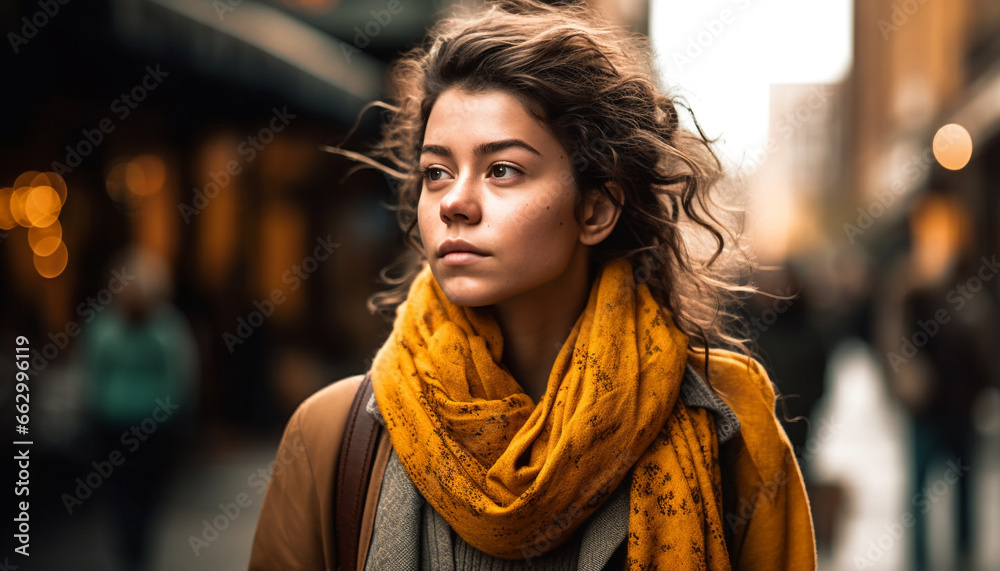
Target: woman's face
x=496, y=211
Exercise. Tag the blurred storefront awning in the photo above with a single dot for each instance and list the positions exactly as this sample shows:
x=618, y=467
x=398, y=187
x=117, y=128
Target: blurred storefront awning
x=258, y=47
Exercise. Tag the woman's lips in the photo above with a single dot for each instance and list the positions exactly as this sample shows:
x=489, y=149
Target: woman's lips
x=459, y=252
x=461, y=258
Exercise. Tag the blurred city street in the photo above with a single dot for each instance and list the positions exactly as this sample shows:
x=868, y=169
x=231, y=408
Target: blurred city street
x=185, y=260
x=192, y=498
x=868, y=427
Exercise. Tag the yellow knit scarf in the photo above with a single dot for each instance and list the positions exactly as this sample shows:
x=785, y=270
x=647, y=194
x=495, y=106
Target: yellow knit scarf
x=515, y=480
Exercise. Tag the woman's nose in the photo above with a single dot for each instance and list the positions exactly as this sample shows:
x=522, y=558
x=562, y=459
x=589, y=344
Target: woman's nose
x=461, y=203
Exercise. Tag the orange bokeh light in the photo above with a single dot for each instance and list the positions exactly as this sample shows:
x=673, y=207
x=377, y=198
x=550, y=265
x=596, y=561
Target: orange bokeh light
x=17, y=205
x=42, y=205
x=52, y=265
x=25, y=178
x=952, y=146
x=45, y=240
x=7, y=220
x=145, y=175
x=54, y=181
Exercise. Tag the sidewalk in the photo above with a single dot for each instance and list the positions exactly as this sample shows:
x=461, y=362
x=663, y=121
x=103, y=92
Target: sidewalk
x=85, y=541
x=869, y=455
x=183, y=542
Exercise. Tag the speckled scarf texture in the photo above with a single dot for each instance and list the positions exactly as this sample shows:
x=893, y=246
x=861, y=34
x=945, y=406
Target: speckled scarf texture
x=515, y=479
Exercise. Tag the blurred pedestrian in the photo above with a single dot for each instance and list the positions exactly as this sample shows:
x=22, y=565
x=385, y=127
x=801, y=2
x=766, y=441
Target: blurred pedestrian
x=141, y=365
x=934, y=338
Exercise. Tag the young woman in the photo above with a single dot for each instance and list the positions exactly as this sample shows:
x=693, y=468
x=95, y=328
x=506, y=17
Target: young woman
x=556, y=389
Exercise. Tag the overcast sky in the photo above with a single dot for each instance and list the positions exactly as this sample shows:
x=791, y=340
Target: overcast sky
x=723, y=54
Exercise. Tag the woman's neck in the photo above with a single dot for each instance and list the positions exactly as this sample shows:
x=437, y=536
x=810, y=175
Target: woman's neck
x=535, y=326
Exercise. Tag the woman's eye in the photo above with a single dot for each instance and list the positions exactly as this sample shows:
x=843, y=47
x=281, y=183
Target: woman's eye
x=503, y=171
x=433, y=173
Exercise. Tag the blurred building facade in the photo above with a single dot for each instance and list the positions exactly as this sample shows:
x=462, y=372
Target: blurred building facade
x=920, y=65
x=931, y=223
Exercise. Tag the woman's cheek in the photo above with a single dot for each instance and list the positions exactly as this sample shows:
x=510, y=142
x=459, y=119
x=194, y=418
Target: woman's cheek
x=424, y=215
x=538, y=214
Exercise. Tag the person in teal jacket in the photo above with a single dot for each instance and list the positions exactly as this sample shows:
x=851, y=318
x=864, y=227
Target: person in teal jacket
x=141, y=365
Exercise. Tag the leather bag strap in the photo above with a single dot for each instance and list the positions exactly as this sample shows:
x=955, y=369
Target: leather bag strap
x=357, y=454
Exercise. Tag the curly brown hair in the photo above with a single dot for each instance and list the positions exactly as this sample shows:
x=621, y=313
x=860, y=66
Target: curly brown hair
x=595, y=87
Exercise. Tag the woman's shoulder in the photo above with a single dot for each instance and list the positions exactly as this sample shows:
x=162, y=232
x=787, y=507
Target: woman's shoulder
x=743, y=384
x=325, y=411
x=735, y=376
x=296, y=516
x=769, y=513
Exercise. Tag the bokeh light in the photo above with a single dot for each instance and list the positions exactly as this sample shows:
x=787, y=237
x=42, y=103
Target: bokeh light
x=145, y=175
x=952, y=146
x=45, y=240
x=52, y=265
x=53, y=180
x=24, y=179
x=35, y=199
x=7, y=220
x=17, y=205
x=129, y=181
x=42, y=205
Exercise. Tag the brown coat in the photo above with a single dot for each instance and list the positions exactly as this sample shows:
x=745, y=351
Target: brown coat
x=295, y=529
x=769, y=517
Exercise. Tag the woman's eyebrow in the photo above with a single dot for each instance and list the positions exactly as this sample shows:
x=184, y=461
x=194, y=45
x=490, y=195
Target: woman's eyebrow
x=481, y=149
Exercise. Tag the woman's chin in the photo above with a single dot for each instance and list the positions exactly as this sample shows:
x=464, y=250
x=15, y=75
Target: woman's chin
x=470, y=299
x=470, y=293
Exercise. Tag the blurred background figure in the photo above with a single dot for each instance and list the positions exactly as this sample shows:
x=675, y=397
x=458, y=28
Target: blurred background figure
x=141, y=367
x=790, y=343
x=792, y=348
x=936, y=337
